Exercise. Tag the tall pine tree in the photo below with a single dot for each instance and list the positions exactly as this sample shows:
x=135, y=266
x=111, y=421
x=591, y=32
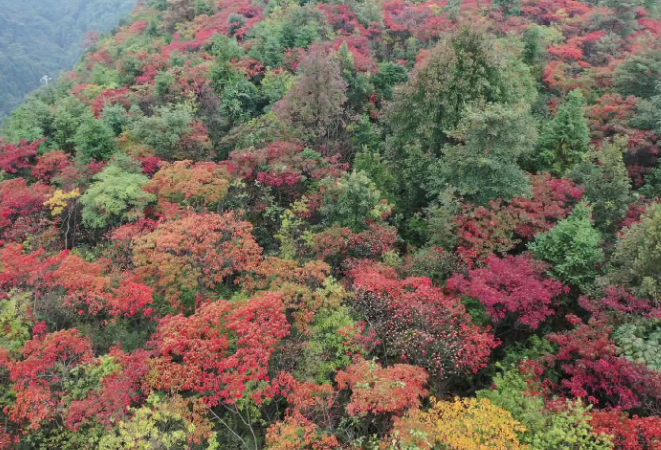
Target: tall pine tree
x=484, y=167
x=608, y=186
x=566, y=139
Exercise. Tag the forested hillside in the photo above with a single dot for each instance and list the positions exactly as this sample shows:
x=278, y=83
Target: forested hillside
x=43, y=37
x=376, y=224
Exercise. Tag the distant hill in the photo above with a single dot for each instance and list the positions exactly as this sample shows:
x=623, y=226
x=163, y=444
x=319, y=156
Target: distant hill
x=41, y=37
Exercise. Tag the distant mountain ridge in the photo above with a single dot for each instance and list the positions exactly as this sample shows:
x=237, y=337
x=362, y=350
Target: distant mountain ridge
x=41, y=38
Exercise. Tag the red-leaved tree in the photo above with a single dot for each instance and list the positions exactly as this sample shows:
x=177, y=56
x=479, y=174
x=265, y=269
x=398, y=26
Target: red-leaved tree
x=21, y=208
x=40, y=374
x=513, y=285
x=110, y=401
x=220, y=350
x=418, y=323
x=629, y=433
x=285, y=166
x=16, y=157
x=593, y=369
x=91, y=287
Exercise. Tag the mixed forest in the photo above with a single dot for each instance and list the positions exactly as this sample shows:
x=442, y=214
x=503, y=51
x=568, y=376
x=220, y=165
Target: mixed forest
x=371, y=224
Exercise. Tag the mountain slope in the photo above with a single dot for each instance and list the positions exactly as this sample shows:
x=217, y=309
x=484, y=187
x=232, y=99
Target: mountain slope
x=363, y=225
x=40, y=38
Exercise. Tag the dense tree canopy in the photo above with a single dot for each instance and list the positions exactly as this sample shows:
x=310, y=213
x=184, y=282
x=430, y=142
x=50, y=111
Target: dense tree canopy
x=359, y=225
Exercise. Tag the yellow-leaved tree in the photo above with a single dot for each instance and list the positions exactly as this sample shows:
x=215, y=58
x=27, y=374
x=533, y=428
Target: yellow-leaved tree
x=463, y=424
x=61, y=201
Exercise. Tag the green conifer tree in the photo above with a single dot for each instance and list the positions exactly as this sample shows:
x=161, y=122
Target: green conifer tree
x=566, y=139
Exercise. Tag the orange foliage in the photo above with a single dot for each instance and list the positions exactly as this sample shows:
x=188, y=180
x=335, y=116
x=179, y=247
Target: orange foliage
x=296, y=433
x=302, y=288
x=92, y=288
x=382, y=390
x=200, y=184
x=195, y=253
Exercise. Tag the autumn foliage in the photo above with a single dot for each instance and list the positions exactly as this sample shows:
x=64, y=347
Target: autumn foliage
x=402, y=225
x=44, y=366
x=376, y=390
x=512, y=285
x=419, y=323
x=197, y=252
x=195, y=354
